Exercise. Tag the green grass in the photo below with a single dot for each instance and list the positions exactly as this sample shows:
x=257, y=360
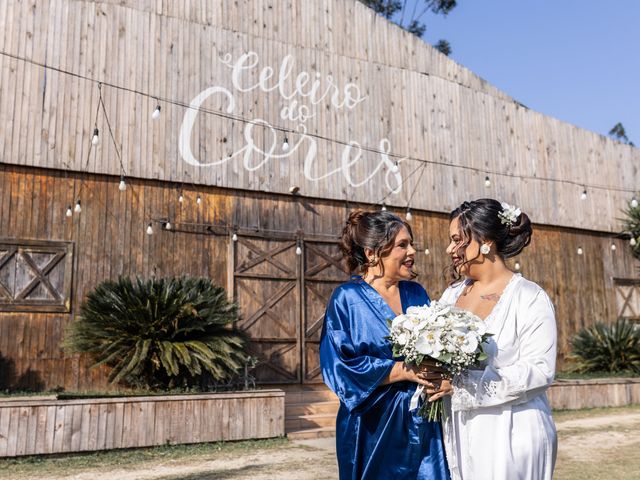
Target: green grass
x=561, y=415
x=69, y=464
x=621, y=463
x=612, y=450
x=607, y=458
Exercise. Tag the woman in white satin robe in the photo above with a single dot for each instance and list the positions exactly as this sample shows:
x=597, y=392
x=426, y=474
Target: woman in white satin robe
x=500, y=425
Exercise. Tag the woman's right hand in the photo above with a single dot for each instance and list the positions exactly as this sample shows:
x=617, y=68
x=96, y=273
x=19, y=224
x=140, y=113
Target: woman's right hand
x=423, y=375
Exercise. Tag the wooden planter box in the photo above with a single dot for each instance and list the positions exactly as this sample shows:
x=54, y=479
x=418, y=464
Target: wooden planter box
x=41, y=426
x=602, y=392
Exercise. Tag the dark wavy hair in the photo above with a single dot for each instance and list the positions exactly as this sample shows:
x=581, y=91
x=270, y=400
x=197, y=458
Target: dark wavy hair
x=374, y=230
x=479, y=221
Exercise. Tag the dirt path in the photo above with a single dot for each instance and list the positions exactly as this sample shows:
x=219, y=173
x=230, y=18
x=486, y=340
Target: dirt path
x=595, y=438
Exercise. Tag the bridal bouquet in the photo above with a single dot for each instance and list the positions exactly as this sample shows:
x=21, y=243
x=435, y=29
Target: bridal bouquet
x=452, y=336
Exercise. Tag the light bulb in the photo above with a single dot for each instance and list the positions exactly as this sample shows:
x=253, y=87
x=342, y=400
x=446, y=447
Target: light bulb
x=234, y=237
x=78, y=208
x=580, y=251
x=613, y=247
x=167, y=226
x=384, y=208
x=95, y=140
x=633, y=241
x=487, y=181
x=123, y=186
x=156, y=113
x=285, y=144
x=298, y=250
x=426, y=251
x=583, y=195
x=181, y=197
x=517, y=266
x=149, y=229
x=198, y=200
x=395, y=168
x=69, y=211
x=634, y=202
x=408, y=216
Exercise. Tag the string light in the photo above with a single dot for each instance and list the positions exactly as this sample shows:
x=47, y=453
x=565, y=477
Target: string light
x=613, y=247
x=487, y=181
x=634, y=202
x=95, y=140
x=78, y=207
x=198, y=199
x=517, y=266
x=69, y=211
x=426, y=251
x=167, y=225
x=580, y=251
x=149, y=229
x=633, y=242
x=156, y=113
x=242, y=119
x=409, y=216
x=583, y=195
x=285, y=145
x=181, y=197
x=234, y=237
x=293, y=189
x=123, y=186
x=383, y=208
x=395, y=168
x=298, y=250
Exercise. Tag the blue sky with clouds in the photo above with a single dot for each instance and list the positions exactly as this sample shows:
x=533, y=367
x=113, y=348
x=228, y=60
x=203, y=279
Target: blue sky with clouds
x=575, y=60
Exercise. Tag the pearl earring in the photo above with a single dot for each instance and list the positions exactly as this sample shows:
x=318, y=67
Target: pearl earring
x=485, y=248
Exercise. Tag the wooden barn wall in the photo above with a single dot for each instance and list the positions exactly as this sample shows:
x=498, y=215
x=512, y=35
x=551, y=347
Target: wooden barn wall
x=425, y=105
x=110, y=240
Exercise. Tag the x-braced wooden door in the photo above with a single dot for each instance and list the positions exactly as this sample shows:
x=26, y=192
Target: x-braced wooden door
x=323, y=271
x=266, y=287
x=282, y=297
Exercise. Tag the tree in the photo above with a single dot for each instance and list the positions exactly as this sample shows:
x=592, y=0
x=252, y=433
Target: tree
x=618, y=132
x=398, y=12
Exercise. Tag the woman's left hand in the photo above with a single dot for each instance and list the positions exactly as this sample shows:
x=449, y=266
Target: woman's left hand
x=440, y=389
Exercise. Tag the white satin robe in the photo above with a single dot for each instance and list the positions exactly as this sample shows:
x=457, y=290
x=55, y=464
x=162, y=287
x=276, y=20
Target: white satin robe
x=499, y=425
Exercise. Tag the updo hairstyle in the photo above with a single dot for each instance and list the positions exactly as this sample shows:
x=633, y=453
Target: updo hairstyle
x=479, y=220
x=369, y=230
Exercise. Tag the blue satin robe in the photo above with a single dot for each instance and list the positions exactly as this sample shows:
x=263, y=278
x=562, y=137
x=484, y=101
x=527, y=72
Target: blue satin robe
x=377, y=437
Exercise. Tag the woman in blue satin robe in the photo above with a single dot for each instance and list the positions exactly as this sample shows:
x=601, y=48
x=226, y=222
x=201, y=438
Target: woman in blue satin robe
x=377, y=437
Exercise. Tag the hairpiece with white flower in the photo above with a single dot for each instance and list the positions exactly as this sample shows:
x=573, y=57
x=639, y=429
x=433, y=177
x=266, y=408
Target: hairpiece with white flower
x=509, y=214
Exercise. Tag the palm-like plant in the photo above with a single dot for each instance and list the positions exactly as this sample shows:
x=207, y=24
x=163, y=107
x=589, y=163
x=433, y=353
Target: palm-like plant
x=160, y=333
x=632, y=225
x=607, y=348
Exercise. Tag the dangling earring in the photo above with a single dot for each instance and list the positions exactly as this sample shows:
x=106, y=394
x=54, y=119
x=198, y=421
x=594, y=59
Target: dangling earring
x=485, y=249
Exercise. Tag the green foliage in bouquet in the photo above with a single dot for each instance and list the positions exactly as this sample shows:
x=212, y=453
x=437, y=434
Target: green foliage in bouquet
x=607, y=348
x=160, y=334
x=632, y=225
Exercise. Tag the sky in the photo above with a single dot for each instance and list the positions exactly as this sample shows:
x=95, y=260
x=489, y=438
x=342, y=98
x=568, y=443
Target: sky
x=575, y=60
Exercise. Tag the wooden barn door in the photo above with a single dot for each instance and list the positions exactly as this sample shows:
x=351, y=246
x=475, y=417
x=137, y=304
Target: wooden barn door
x=267, y=288
x=323, y=271
x=282, y=297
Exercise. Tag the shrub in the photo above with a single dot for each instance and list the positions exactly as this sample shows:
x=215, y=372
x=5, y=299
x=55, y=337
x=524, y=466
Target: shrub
x=632, y=225
x=160, y=334
x=607, y=348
